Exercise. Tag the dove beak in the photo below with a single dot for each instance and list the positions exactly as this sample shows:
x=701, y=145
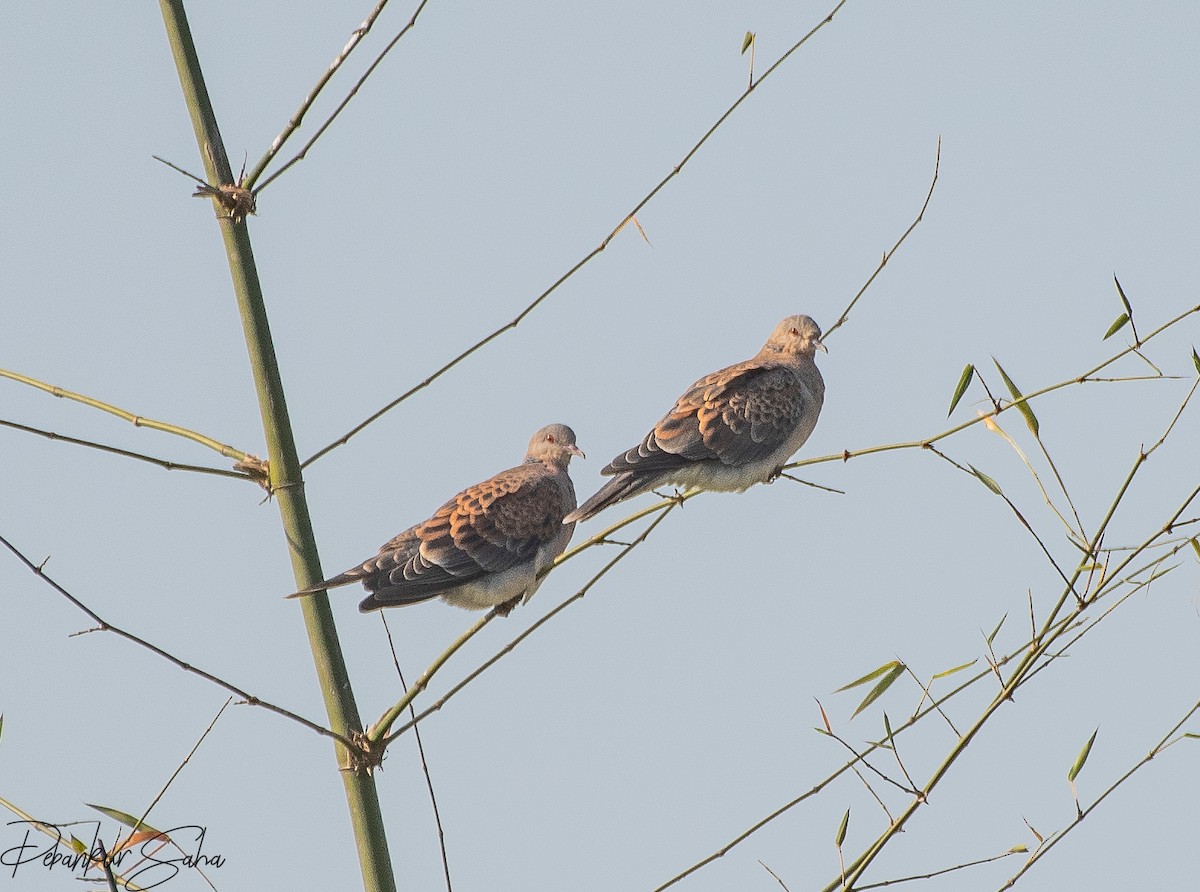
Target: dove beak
x=816, y=343
x=575, y=450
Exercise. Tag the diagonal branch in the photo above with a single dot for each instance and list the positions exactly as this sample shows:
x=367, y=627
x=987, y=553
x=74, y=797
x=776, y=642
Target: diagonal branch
x=298, y=117
x=645, y=200
x=135, y=420
x=103, y=625
x=887, y=255
x=160, y=462
x=381, y=728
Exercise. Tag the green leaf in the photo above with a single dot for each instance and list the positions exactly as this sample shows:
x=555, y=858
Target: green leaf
x=996, y=631
x=1121, y=293
x=958, y=668
x=1120, y=323
x=841, y=834
x=122, y=818
x=76, y=844
x=1018, y=400
x=964, y=381
x=870, y=676
x=1017, y=850
x=882, y=685
x=747, y=41
x=1195, y=548
x=1196, y=360
x=986, y=480
x=1082, y=758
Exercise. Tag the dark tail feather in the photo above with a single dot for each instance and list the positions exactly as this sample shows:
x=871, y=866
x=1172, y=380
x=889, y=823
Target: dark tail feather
x=391, y=598
x=621, y=487
x=346, y=578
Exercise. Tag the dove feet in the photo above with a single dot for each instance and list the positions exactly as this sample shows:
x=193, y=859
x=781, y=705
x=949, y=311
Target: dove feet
x=506, y=607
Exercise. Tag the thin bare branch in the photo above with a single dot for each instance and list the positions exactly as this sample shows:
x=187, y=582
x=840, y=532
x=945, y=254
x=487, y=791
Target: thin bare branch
x=887, y=255
x=645, y=200
x=508, y=648
x=437, y=814
x=135, y=420
x=114, y=450
x=1086, y=377
x=298, y=117
x=1055, y=838
x=103, y=625
x=942, y=872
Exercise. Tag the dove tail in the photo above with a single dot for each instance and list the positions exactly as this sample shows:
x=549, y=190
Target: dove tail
x=621, y=487
x=355, y=575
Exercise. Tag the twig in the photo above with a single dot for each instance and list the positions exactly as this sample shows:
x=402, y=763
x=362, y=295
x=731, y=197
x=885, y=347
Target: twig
x=943, y=871
x=105, y=626
x=1055, y=838
x=341, y=105
x=675, y=171
x=848, y=454
x=160, y=462
x=887, y=255
x=135, y=420
x=508, y=648
x=437, y=815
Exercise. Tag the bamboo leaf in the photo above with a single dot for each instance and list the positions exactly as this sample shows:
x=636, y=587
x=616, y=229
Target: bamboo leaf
x=964, y=382
x=824, y=718
x=841, y=834
x=1120, y=323
x=996, y=631
x=1018, y=850
x=76, y=844
x=986, y=480
x=1196, y=360
x=122, y=818
x=1018, y=400
x=1121, y=293
x=881, y=686
x=747, y=41
x=1082, y=758
x=1195, y=548
x=1040, y=839
x=870, y=676
x=958, y=668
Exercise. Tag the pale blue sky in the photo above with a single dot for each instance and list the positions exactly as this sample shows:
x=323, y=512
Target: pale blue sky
x=673, y=707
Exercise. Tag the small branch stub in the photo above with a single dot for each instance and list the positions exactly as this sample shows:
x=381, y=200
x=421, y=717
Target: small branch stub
x=257, y=469
x=366, y=756
x=238, y=201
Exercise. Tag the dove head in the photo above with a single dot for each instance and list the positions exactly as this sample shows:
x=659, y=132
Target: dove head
x=554, y=444
x=795, y=336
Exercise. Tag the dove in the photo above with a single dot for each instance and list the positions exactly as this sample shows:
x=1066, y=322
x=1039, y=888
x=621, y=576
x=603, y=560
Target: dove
x=486, y=546
x=730, y=429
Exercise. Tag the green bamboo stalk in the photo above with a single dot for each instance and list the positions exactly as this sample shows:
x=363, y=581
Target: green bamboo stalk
x=286, y=480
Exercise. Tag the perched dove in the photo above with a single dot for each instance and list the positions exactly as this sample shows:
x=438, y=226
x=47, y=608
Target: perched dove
x=731, y=429
x=485, y=547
